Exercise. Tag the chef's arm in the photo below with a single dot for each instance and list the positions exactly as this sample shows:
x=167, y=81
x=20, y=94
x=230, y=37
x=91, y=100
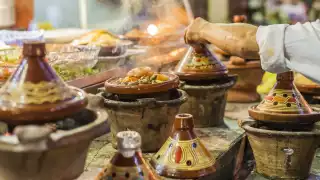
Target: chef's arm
x=237, y=39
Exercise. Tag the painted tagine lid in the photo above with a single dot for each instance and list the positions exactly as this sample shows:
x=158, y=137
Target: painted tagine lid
x=142, y=80
x=199, y=63
x=35, y=94
x=128, y=162
x=284, y=104
x=183, y=156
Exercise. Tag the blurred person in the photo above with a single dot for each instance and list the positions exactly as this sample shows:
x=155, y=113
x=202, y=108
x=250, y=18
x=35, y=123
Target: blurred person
x=280, y=47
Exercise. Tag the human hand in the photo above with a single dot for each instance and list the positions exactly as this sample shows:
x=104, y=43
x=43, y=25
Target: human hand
x=193, y=33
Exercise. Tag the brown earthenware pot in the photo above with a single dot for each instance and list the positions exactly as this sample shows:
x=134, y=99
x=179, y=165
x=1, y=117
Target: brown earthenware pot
x=183, y=156
x=35, y=93
x=284, y=104
x=282, y=154
x=128, y=162
x=111, y=86
x=200, y=64
x=249, y=77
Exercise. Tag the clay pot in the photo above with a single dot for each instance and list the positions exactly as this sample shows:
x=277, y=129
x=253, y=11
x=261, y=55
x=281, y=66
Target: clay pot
x=249, y=77
x=128, y=162
x=282, y=154
x=183, y=156
x=35, y=94
x=37, y=153
x=207, y=100
x=284, y=104
x=150, y=117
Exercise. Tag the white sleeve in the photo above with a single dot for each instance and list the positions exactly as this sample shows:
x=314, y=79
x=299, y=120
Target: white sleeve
x=297, y=47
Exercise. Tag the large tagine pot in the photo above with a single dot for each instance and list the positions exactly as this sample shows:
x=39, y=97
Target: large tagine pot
x=249, y=77
x=309, y=89
x=183, y=156
x=128, y=162
x=146, y=109
x=282, y=132
x=282, y=154
x=206, y=81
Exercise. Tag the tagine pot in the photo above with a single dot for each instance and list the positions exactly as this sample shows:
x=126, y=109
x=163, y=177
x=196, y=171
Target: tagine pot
x=128, y=163
x=37, y=152
x=309, y=89
x=282, y=154
x=249, y=77
x=183, y=156
x=205, y=80
x=146, y=109
x=35, y=94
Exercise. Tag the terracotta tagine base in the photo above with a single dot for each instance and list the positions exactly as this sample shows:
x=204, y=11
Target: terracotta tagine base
x=183, y=156
x=282, y=154
x=128, y=162
x=207, y=100
x=151, y=115
x=55, y=151
x=249, y=77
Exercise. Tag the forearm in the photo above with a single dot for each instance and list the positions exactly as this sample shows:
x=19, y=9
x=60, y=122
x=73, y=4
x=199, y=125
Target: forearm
x=236, y=39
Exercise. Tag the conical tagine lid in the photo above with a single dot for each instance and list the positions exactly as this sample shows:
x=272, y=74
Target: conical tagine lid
x=284, y=103
x=35, y=94
x=199, y=63
x=183, y=155
x=128, y=162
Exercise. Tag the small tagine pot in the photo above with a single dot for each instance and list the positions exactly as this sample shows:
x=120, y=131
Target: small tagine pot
x=282, y=132
x=249, y=77
x=35, y=94
x=148, y=109
x=309, y=89
x=183, y=156
x=206, y=81
x=128, y=162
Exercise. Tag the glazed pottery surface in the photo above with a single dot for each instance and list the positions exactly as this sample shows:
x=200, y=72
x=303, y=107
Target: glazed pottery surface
x=150, y=117
x=112, y=87
x=199, y=63
x=183, y=155
x=128, y=162
x=35, y=94
x=249, y=77
x=284, y=103
x=207, y=102
x=282, y=154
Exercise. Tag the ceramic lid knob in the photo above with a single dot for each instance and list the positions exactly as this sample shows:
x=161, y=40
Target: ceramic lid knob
x=34, y=48
x=128, y=142
x=286, y=76
x=183, y=121
x=240, y=19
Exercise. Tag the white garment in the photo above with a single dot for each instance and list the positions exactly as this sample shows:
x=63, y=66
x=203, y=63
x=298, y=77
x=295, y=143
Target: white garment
x=296, y=47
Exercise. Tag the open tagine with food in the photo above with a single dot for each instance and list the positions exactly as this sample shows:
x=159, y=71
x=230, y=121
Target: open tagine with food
x=44, y=120
x=144, y=101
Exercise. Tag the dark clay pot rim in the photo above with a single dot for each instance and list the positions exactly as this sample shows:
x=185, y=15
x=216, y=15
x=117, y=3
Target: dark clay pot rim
x=247, y=124
x=144, y=102
x=65, y=138
x=231, y=81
